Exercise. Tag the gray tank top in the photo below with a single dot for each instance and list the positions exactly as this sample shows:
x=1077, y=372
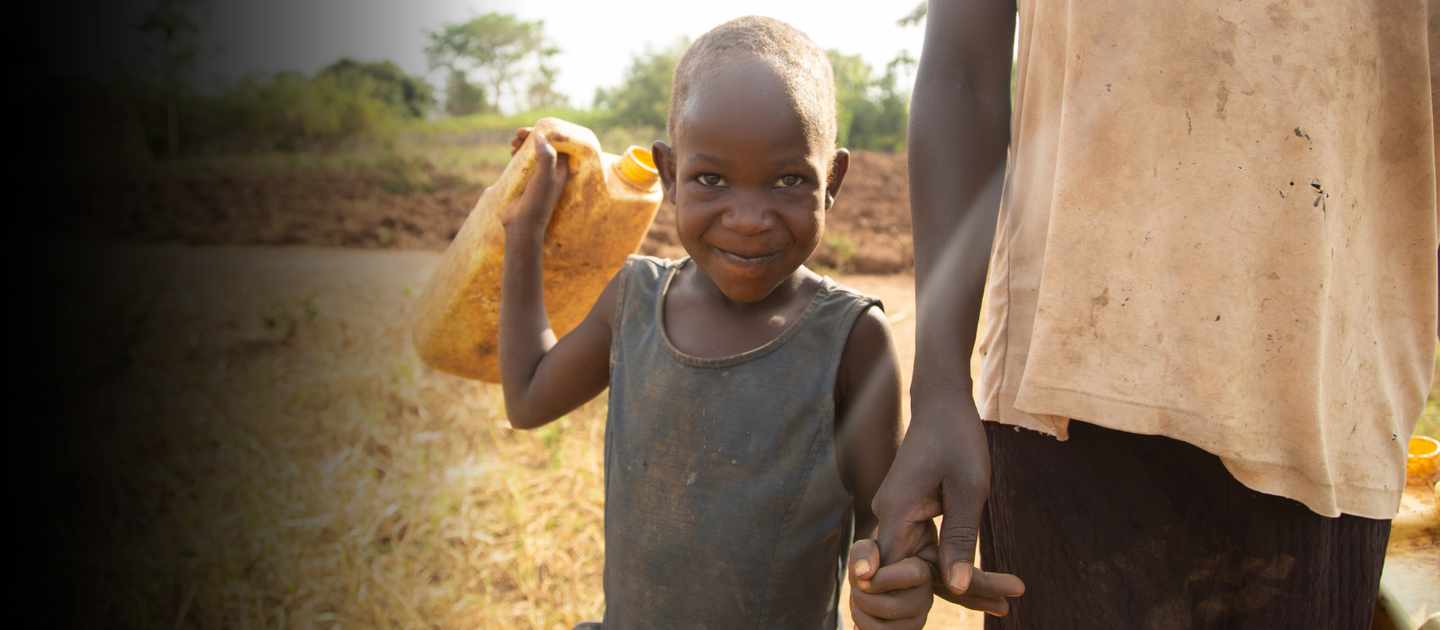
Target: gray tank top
x=724, y=506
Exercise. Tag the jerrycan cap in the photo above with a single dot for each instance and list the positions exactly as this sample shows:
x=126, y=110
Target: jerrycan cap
x=638, y=167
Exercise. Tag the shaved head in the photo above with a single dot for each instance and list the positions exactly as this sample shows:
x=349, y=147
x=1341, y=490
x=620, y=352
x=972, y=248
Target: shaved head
x=796, y=61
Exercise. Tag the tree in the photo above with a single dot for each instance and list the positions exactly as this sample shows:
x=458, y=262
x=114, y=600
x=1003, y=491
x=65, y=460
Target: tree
x=410, y=96
x=462, y=97
x=542, y=94
x=870, y=113
x=494, y=48
x=643, y=98
x=173, y=23
x=916, y=16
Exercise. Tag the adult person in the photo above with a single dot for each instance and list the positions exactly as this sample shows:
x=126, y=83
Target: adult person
x=1211, y=306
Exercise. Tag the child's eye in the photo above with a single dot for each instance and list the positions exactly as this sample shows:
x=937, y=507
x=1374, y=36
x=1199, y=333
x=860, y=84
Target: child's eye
x=710, y=179
x=789, y=181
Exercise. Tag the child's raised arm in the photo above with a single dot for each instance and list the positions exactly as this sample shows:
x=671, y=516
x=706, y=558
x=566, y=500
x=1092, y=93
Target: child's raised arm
x=543, y=379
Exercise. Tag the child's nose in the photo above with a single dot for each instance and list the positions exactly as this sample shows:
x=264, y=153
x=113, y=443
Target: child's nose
x=750, y=215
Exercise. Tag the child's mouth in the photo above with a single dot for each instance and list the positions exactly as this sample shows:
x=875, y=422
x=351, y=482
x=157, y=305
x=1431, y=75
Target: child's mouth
x=746, y=261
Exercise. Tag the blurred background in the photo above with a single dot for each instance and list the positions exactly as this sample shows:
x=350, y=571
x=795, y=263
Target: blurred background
x=230, y=209
x=222, y=122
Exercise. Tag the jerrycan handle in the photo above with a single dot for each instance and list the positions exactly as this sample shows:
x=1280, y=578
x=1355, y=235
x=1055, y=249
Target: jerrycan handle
x=580, y=143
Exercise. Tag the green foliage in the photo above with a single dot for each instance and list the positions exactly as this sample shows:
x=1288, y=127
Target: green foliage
x=462, y=97
x=870, y=113
x=617, y=139
x=916, y=16
x=843, y=246
x=643, y=98
x=494, y=49
x=287, y=112
x=542, y=94
x=410, y=96
x=172, y=24
x=494, y=125
x=297, y=113
x=346, y=103
x=484, y=138
x=405, y=174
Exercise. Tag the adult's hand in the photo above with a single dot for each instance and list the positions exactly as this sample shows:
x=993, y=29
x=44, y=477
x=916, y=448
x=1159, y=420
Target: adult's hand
x=958, y=141
x=942, y=469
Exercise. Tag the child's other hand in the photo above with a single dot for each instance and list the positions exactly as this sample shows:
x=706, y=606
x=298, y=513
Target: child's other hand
x=533, y=207
x=893, y=597
x=520, y=135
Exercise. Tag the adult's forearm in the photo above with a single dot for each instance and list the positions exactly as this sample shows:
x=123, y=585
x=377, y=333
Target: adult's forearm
x=959, y=137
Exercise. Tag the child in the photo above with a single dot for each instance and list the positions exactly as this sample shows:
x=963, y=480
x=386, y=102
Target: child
x=754, y=405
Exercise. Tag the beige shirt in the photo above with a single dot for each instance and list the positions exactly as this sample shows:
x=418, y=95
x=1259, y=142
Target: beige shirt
x=1220, y=225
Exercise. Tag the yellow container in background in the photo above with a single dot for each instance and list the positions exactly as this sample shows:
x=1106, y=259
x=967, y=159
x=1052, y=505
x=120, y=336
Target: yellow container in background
x=1420, y=464
x=602, y=216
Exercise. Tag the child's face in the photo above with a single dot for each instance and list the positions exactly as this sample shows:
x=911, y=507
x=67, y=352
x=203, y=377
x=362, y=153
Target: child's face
x=750, y=190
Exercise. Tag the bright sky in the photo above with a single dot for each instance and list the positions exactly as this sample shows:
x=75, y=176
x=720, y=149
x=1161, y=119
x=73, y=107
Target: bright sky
x=597, y=38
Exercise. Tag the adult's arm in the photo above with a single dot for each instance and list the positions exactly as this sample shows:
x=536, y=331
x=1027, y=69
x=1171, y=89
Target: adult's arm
x=958, y=140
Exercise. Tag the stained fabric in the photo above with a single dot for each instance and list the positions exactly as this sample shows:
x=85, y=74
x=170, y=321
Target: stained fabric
x=1219, y=225
x=724, y=507
x=1118, y=531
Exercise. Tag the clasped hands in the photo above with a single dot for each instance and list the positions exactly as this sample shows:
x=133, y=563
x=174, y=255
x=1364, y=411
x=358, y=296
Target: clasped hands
x=899, y=595
x=941, y=470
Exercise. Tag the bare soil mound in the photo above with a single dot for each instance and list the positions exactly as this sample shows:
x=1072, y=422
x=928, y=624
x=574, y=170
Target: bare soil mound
x=320, y=207
x=867, y=231
x=871, y=216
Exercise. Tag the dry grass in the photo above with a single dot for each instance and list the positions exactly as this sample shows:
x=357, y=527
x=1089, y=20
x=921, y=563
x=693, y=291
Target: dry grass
x=276, y=457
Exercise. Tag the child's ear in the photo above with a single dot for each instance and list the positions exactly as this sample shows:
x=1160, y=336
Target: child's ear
x=839, y=165
x=664, y=157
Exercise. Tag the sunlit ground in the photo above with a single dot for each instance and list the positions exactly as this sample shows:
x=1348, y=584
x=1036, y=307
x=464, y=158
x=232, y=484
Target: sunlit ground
x=276, y=456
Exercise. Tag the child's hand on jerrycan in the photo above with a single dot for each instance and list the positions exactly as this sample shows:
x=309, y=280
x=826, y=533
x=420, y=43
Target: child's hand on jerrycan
x=520, y=135
x=532, y=209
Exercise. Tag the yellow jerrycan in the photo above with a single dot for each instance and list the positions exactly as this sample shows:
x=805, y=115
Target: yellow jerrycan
x=602, y=216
